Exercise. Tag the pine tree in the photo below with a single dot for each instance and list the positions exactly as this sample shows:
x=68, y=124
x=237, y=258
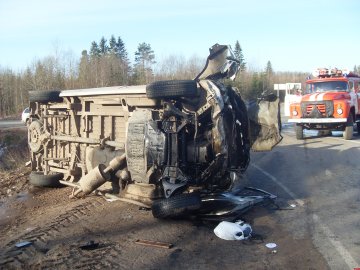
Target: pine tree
x=144, y=59
x=239, y=56
x=112, y=45
x=269, y=70
x=94, y=50
x=121, y=51
x=103, y=47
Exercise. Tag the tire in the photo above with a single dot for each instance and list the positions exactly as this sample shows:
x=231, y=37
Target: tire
x=38, y=179
x=358, y=127
x=45, y=96
x=349, y=128
x=299, y=130
x=172, y=89
x=176, y=206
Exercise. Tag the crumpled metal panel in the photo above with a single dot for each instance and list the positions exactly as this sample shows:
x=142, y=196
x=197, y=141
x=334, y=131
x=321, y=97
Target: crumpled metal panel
x=218, y=133
x=265, y=124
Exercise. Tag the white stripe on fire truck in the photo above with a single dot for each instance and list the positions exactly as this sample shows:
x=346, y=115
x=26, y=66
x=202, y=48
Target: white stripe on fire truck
x=320, y=97
x=312, y=97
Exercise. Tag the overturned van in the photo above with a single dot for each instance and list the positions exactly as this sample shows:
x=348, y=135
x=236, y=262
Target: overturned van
x=163, y=145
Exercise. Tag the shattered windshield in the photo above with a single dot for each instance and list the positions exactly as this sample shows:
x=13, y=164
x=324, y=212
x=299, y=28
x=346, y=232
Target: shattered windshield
x=334, y=86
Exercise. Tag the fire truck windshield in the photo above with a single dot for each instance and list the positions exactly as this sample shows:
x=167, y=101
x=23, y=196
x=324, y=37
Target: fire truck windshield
x=334, y=86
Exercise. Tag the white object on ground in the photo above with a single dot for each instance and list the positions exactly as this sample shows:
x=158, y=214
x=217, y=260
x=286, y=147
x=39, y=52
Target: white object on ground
x=238, y=230
x=271, y=245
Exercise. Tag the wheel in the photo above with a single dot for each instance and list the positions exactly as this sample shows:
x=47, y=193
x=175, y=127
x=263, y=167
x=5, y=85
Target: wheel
x=358, y=127
x=38, y=179
x=299, y=130
x=35, y=130
x=349, y=128
x=176, y=206
x=172, y=89
x=45, y=96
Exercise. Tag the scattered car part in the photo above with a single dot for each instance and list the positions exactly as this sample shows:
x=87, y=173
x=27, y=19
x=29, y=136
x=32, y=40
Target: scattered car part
x=23, y=244
x=177, y=205
x=238, y=230
x=230, y=205
x=154, y=244
x=271, y=245
x=91, y=245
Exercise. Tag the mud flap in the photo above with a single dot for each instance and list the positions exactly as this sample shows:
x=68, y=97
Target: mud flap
x=265, y=123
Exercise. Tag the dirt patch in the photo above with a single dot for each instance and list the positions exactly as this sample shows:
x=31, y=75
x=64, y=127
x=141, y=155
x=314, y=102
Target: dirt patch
x=57, y=227
x=14, y=150
x=14, y=154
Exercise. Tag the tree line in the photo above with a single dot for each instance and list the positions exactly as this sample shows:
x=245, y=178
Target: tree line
x=107, y=63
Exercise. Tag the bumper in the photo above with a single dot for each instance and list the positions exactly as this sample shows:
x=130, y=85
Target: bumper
x=318, y=120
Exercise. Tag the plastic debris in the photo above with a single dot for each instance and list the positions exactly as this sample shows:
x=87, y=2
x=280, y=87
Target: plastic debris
x=238, y=230
x=271, y=245
x=23, y=244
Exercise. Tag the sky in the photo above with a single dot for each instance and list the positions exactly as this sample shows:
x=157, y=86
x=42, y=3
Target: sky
x=294, y=35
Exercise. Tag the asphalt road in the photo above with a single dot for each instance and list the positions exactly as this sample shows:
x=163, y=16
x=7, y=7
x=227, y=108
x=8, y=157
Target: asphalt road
x=321, y=177
x=11, y=123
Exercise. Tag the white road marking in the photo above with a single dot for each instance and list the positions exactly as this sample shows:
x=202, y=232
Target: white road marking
x=344, y=254
x=291, y=194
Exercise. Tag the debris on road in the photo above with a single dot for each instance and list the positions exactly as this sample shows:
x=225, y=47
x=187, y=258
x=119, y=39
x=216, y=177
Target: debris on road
x=271, y=245
x=238, y=230
x=154, y=244
x=23, y=244
x=90, y=245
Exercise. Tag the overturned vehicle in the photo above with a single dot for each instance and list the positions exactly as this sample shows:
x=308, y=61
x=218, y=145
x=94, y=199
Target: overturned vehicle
x=176, y=146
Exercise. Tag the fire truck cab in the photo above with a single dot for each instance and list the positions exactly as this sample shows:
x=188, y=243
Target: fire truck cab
x=330, y=102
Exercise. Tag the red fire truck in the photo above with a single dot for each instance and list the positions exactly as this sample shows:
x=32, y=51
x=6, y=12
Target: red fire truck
x=331, y=102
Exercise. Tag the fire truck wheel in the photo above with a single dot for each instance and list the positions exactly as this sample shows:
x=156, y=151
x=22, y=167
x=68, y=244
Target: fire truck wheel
x=349, y=128
x=176, y=206
x=299, y=130
x=38, y=179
